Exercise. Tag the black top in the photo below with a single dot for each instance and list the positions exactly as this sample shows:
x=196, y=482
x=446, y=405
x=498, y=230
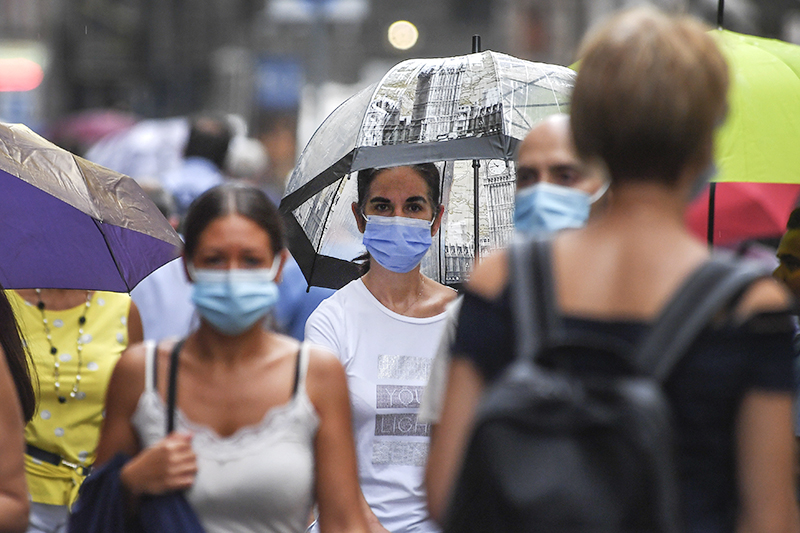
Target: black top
x=705, y=389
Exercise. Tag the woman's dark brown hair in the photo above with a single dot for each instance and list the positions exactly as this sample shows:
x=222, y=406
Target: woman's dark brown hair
x=429, y=172
x=16, y=357
x=230, y=199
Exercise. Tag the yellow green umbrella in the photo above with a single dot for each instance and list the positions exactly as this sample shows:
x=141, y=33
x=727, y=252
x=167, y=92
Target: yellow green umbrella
x=760, y=139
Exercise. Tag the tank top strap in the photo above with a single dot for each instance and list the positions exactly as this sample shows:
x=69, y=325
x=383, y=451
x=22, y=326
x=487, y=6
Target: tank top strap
x=302, y=366
x=150, y=365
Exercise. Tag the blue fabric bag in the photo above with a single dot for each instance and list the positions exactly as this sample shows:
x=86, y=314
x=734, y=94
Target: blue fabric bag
x=100, y=507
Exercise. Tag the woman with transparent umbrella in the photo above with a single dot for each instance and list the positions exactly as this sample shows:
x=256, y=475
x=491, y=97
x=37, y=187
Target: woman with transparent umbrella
x=385, y=328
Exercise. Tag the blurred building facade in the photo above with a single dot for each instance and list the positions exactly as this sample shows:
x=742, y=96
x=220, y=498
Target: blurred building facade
x=162, y=58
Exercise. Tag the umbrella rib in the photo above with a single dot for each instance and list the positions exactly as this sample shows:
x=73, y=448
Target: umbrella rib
x=97, y=223
x=318, y=247
x=315, y=185
x=517, y=107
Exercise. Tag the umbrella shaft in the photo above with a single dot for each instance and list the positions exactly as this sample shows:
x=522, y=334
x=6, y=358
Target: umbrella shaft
x=476, y=165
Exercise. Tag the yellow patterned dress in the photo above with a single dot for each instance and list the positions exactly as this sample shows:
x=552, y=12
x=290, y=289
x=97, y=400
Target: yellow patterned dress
x=69, y=429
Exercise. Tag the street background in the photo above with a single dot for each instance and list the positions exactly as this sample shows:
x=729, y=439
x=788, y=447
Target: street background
x=282, y=65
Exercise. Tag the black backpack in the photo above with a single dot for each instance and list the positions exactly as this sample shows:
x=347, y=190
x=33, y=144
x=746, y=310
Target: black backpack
x=554, y=450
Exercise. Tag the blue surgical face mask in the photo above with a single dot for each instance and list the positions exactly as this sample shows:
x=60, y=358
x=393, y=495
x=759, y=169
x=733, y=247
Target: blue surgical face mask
x=233, y=300
x=397, y=243
x=546, y=207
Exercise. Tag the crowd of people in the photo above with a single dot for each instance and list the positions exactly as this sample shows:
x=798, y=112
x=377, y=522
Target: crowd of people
x=354, y=415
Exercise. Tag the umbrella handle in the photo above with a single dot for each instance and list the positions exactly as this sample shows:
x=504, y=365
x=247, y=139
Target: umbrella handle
x=712, y=196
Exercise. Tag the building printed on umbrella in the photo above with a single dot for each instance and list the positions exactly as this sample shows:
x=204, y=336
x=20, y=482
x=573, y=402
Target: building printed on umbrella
x=437, y=112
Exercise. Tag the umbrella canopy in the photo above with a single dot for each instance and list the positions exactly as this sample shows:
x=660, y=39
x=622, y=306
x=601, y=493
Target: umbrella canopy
x=759, y=140
x=744, y=211
x=450, y=110
x=71, y=224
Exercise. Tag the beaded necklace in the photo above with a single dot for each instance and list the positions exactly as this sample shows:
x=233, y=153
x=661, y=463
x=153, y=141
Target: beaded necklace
x=75, y=392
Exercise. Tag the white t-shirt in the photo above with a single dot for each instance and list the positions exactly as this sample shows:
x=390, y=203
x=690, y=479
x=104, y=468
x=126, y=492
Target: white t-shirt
x=430, y=409
x=387, y=358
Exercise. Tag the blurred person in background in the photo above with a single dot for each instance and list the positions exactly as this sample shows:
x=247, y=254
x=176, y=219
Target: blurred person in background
x=555, y=189
x=788, y=272
x=164, y=297
x=788, y=253
x=16, y=409
x=277, y=133
x=649, y=94
x=203, y=160
x=74, y=338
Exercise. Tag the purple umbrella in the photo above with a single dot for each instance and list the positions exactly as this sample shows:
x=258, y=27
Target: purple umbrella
x=71, y=224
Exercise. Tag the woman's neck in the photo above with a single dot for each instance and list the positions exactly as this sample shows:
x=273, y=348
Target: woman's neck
x=55, y=299
x=399, y=292
x=211, y=346
x=635, y=204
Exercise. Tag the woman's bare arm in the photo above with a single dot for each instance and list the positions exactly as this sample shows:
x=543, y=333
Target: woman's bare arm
x=14, y=505
x=766, y=464
x=135, y=327
x=168, y=465
x=766, y=456
x=464, y=388
x=337, y=490
x=126, y=385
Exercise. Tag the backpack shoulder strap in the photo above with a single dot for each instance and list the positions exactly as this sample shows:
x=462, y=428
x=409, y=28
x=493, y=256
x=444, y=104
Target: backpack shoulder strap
x=532, y=299
x=711, y=288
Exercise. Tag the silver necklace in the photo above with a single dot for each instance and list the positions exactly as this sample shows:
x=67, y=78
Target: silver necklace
x=75, y=392
x=419, y=294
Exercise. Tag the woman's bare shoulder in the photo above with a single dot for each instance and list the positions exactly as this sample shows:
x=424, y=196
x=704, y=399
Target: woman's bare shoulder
x=764, y=296
x=127, y=380
x=325, y=378
x=490, y=277
x=131, y=364
x=323, y=363
x=441, y=295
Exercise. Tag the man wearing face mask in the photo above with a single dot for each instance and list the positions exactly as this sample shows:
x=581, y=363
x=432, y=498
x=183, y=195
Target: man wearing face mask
x=555, y=191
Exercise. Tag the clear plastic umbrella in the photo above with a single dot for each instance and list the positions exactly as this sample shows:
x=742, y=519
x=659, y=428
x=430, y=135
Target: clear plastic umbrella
x=456, y=110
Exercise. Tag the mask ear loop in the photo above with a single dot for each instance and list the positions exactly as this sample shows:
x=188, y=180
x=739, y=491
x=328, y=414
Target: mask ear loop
x=600, y=192
x=366, y=218
x=191, y=270
x=273, y=270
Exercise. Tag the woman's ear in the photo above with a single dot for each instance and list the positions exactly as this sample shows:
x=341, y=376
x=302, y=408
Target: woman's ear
x=185, y=262
x=283, y=258
x=437, y=221
x=360, y=222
